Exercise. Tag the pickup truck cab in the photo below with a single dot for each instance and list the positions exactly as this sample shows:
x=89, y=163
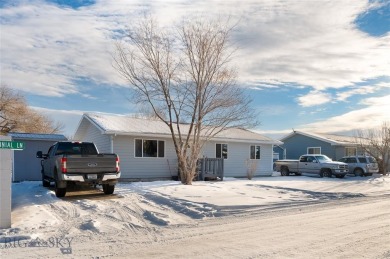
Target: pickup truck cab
x=312, y=164
x=79, y=163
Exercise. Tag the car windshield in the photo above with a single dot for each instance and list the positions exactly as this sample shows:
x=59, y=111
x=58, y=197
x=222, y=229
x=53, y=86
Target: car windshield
x=323, y=159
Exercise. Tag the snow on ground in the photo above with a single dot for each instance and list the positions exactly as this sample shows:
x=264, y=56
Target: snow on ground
x=154, y=212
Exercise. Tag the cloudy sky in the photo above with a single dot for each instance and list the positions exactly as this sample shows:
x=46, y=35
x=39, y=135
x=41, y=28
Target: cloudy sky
x=311, y=65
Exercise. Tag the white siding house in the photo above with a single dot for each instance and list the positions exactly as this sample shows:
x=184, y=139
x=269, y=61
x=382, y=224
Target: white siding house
x=131, y=138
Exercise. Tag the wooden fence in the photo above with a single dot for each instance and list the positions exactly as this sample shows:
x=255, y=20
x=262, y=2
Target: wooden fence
x=210, y=168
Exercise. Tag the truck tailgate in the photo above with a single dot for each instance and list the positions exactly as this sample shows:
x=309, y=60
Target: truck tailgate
x=91, y=163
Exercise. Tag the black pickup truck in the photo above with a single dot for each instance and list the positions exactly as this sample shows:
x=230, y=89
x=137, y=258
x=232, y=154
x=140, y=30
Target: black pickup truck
x=81, y=163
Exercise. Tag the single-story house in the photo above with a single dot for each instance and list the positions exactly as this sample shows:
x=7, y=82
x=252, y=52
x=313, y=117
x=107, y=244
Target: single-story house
x=298, y=143
x=26, y=167
x=146, y=149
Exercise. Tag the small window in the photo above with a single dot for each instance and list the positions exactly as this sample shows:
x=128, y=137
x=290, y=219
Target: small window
x=303, y=159
x=350, y=151
x=362, y=160
x=149, y=148
x=255, y=152
x=314, y=150
x=221, y=151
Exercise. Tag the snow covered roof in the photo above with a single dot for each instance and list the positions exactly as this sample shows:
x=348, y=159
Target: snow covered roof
x=37, y=136
x=329, y=138
x=127, y=125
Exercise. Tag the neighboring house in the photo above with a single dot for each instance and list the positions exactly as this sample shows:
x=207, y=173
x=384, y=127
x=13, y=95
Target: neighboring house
x=298, y=143
x=26, y=167
x=146, y=149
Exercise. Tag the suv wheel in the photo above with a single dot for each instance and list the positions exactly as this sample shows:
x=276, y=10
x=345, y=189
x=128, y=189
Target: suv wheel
x=358, y=172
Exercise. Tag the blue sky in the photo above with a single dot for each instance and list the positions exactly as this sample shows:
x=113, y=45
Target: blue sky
x=321, y=66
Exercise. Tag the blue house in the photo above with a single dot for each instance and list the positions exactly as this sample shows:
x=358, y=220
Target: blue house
x=298, y=143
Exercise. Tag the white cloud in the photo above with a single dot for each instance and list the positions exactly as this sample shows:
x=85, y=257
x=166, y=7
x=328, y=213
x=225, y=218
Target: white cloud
x=45, y=48
x=343, y=96
x=70, y=119
x=314, y=98
x=312, y=43
x=373, y=115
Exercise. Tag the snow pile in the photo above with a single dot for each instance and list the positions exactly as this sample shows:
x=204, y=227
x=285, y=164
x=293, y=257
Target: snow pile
x=140, y=209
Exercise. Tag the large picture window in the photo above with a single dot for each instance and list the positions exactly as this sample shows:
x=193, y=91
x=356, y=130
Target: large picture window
x=221, y=151
x=314, y=150
x=255, y=152
x=149, y=148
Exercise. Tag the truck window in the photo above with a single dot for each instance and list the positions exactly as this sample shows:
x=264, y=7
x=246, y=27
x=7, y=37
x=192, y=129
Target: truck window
x=310, y=159
x=69, y=148
x=303, y=159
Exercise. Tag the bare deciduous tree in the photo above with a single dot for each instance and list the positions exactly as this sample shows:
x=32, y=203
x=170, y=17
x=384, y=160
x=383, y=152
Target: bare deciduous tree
x=376, y=142
x=184, y=76
x=15, y=115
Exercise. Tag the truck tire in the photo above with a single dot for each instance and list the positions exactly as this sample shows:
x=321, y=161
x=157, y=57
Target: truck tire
x=108, y=189
x=328, y=173
x=284, y=171
x=60, y=192
x=45, y=182
x=325, y=173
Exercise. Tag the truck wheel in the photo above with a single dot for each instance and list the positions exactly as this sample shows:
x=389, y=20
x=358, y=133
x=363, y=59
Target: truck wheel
x=328, y=173
x=284, y=171
x=45, y=182
x=108, y=189
x=60, y=192
x=358, y=172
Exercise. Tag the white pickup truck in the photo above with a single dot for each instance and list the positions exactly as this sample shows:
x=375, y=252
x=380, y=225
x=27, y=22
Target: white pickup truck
x=312, y=164
x=79, y=163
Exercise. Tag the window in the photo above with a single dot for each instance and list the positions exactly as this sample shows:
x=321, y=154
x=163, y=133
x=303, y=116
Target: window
x=221, y=151
x=351, y=160
x=255, y=152
x=314, y=150
x=350, y=151
x=149, y=148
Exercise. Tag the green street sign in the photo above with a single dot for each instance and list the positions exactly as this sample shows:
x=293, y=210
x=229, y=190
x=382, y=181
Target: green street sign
x=15, y=145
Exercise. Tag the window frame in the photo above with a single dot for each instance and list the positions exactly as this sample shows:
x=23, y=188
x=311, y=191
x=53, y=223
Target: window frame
x=349, y=154
x=307, y=150
x=250, y=152
x=227, y=150
x=142, y=148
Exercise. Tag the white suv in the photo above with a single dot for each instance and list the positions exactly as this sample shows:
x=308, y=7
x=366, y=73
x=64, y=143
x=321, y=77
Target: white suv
x=361, y=165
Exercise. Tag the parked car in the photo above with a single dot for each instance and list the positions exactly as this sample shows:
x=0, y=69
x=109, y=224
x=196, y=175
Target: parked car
x=312, y=164
x=361, y=165
x=79, y=163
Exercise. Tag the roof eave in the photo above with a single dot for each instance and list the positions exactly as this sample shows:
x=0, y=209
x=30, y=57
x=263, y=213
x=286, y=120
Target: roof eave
x=154, y=135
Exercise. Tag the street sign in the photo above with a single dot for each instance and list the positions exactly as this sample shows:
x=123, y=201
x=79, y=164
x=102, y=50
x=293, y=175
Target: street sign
x=15, y=145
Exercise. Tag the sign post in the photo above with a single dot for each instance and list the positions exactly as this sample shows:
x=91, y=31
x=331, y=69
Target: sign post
x=6, y=149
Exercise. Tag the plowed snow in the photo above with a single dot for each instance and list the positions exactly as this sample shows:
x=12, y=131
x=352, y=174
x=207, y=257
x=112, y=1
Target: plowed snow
x=275, y=217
